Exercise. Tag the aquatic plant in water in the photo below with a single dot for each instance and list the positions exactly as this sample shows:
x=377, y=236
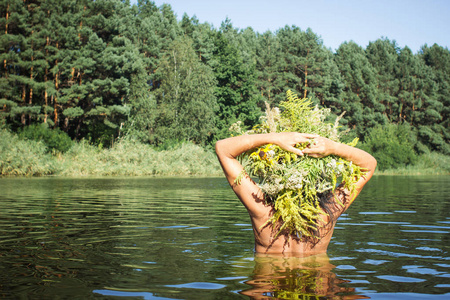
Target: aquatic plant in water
x=293, y=184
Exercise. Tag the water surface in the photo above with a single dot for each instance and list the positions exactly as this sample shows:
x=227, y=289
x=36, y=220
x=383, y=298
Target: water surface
x=190, y=238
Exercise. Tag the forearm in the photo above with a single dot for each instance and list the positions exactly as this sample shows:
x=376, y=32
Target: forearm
x=357, y=156
x=234, y=146
x=228, y=149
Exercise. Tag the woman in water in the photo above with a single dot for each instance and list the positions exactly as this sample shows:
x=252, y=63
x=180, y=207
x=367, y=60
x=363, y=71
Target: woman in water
x=266, y=238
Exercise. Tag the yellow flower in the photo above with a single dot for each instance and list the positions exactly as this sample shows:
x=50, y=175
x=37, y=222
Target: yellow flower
x=263, y=153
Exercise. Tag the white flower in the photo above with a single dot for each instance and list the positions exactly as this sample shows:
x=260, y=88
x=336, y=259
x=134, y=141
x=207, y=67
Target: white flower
x=332, y=164
x=295, y=181
x=271, y=189
x=272, y=186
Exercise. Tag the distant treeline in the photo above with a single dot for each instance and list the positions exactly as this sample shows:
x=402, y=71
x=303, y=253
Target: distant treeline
x=99, y=70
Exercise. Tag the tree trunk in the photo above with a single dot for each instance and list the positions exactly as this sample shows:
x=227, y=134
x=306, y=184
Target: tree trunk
x=24, y=96
x=45, y=80
x=55, y=100
x=306, y=82
x=7, y=17
x=6, y=32
x=30, y=99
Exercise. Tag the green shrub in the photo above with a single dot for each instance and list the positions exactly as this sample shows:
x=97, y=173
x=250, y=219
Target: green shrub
x=432, y=163
x=392, y=145
x=24, y=157
x=54, y=139
x=127, y=157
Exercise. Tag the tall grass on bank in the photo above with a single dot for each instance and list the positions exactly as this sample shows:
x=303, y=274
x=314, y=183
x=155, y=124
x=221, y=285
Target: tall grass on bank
x=427, y=164
x=137, y=159
x=24, y=157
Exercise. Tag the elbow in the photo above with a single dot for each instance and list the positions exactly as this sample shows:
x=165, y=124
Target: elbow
x=224, y=149
x=372, y=165
x=219, y=147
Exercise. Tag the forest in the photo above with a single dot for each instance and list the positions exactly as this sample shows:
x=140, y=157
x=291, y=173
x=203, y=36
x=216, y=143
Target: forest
x=99, y=73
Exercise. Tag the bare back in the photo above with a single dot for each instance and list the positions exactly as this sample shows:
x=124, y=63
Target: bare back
x=267, y=239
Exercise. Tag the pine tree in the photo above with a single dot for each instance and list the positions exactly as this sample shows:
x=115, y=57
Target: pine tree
x=247, y=44
x=203, y=38
x=18, y=45
x=62, y=36
x=269, y=69
x=157, y=29
x=419, y=100
x=359, y=98
x=12, y=17
x=188, y=25
x=309, y=68
x=101, y=85
x=383, y=55
x=236, y=91
x=438, y=58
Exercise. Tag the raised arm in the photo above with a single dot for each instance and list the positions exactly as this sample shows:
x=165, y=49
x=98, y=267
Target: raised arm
x=322, y=147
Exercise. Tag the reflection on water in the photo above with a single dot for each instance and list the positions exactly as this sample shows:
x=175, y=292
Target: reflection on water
x=187, y=238
x=296, y=278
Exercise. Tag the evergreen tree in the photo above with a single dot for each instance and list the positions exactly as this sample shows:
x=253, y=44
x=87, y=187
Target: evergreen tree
x=157, y=28
x=102, y=76
x=383, y=55
x=188, y=25
x=269, y=69
x=359, y=98
x=18, y=74
x=247, y=44
x=55, y=12
x=142, y=104
x=438, y=58
x=203, y=38
x=417, y=95
x=236, y=91
x=68, y=64
x=309, y=68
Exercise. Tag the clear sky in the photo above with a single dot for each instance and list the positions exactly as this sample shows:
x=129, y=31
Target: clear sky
x=411, y=23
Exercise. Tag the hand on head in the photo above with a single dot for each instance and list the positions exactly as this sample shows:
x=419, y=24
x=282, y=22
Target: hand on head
x=288, y=140
x=318, y=146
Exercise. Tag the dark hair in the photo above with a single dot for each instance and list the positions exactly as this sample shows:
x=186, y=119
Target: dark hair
x=333, y=204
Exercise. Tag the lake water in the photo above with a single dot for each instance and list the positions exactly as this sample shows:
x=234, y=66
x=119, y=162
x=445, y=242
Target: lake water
x=190, y=238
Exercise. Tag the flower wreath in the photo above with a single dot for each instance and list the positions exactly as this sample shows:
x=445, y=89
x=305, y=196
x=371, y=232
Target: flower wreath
x=294, y=184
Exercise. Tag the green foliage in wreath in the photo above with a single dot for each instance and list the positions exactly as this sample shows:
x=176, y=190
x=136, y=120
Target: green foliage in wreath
x=294, y=184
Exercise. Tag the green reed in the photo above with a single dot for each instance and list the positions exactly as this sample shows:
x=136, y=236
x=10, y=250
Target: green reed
x=24, y=157
x=432, y=163
x=136, y=159
x=21, y=157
